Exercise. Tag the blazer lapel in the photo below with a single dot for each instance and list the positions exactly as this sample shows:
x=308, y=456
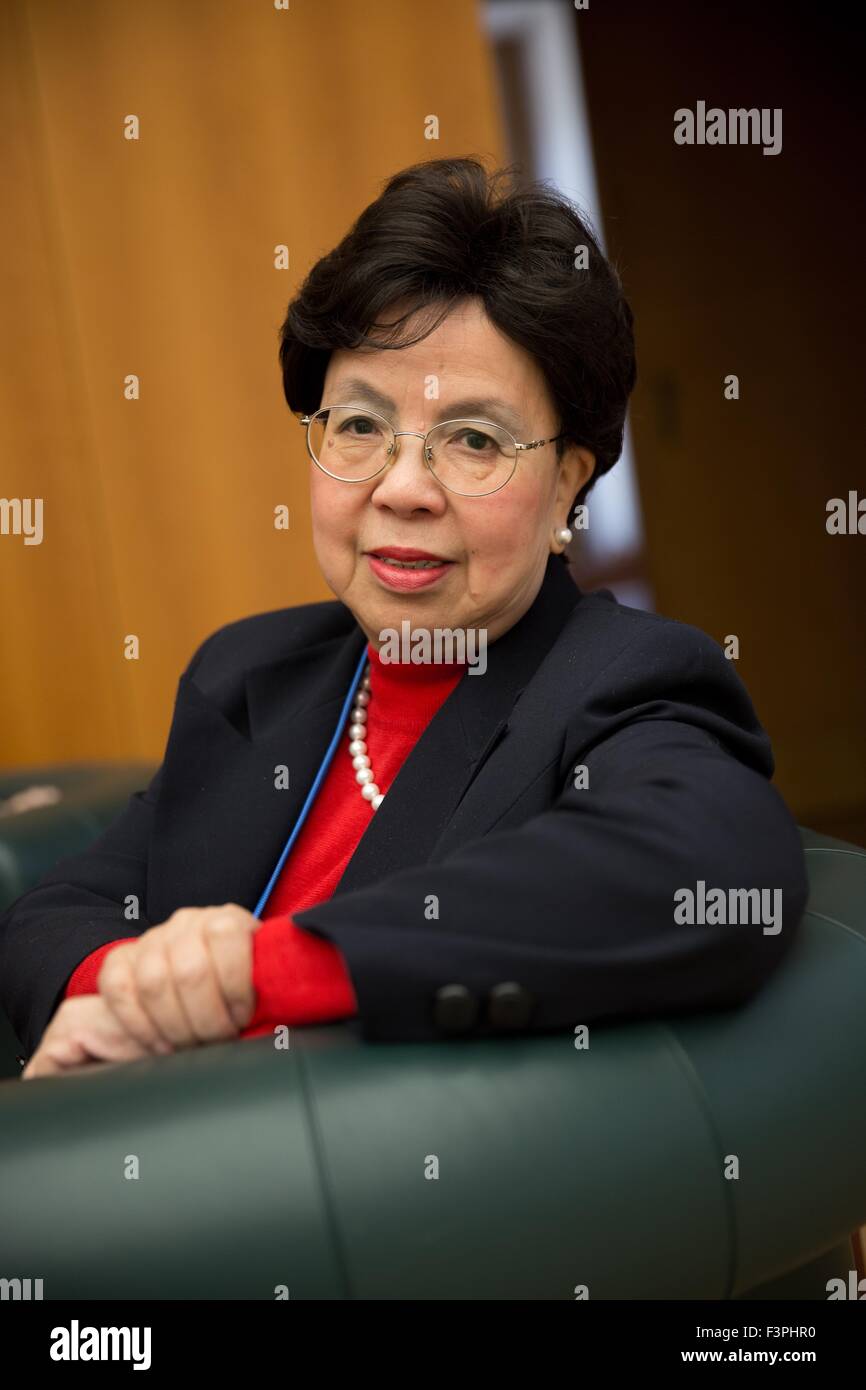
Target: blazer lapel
x=463, y=734
x=221, y=820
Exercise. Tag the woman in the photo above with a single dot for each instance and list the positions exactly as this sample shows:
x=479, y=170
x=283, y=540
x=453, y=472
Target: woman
x=565, y=817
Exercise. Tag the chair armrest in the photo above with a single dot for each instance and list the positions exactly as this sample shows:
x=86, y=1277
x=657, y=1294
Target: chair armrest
x=312, y=1167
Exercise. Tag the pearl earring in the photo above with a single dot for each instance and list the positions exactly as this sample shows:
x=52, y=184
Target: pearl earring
x=564, y=536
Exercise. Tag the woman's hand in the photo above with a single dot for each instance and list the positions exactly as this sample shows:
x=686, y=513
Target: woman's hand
x=83, y=1030
x=186, y=982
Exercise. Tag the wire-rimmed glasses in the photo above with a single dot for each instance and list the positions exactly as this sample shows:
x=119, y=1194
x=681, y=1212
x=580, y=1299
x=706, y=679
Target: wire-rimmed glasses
x=470, y=457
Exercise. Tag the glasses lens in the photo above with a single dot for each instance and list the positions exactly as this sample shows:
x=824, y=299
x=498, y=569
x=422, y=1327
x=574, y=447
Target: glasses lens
x=349, y=443
x=470, y=456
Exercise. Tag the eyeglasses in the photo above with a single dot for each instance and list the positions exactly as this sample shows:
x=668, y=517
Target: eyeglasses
x=470, y=457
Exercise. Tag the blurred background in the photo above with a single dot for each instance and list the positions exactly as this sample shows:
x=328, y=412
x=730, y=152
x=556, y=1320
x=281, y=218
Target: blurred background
x=266, y=125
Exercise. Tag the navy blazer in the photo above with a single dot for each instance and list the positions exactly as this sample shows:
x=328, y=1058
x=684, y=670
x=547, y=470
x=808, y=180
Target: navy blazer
x=494, y=891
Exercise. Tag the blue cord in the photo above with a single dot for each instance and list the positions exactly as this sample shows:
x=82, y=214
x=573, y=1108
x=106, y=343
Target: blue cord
x=326, y=762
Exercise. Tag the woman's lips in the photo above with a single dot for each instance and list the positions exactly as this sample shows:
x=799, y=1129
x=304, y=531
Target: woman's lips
x=396, y=577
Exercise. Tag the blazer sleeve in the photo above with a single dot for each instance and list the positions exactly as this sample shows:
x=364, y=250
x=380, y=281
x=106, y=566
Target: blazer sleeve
x=571, y=917
x=76, y=907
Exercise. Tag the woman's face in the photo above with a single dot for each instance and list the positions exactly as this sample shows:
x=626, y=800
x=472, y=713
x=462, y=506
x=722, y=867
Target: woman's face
x=497, y=544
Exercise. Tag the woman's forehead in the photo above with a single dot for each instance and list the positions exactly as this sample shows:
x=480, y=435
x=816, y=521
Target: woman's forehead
x=466, y=354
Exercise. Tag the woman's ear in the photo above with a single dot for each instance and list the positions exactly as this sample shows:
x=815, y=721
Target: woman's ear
x=576, y=467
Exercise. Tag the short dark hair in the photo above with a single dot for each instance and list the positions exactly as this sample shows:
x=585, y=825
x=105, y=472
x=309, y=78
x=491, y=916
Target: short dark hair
x=446, y=229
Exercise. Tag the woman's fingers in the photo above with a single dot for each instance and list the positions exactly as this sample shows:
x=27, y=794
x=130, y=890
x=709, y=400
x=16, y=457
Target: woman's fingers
x=230, y=942
x=119, y=989
x=158, y=994
x=186, y=981
x=197, y=982
x=59, y=1048
x=104, y=1039
x=83, y=1030
x=50, y=1059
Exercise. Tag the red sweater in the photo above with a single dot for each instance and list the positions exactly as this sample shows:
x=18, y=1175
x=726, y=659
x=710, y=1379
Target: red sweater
x=299, y=977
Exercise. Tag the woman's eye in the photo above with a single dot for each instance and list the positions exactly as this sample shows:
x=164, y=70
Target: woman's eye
x=475, y=440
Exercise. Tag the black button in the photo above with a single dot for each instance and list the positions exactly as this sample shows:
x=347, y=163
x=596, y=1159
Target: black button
x=509, y=1006
x=455, y=1009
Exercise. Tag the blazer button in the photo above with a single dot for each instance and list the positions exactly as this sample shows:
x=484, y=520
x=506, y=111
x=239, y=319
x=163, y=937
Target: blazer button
x=455, y=1009
x=509, y=1006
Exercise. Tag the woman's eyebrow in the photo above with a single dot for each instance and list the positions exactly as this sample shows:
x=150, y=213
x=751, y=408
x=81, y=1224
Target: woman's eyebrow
x=474, y=407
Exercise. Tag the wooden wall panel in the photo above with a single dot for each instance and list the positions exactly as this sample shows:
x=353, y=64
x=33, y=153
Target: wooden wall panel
x=741, y=262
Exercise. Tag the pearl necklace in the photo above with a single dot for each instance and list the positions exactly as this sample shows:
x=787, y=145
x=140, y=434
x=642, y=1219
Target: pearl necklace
x=358, y=746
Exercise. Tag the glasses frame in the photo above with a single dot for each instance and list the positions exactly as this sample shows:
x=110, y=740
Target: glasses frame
x=394, y=449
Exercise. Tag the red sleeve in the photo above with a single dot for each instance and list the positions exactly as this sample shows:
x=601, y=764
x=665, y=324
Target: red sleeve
x=298, y=978
x=84, y=977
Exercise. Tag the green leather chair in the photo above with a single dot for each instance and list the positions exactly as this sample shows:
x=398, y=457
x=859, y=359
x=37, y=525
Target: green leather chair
x=308, y=1169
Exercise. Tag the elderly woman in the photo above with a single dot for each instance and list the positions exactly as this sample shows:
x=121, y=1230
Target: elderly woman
x=463, y=799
